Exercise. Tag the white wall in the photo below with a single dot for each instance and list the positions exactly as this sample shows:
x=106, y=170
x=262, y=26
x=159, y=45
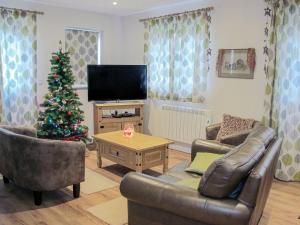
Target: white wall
x=235, y=24
x=51, y=29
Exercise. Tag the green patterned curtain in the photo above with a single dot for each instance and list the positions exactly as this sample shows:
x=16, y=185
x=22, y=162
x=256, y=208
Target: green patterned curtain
x=84, y=49
x=177, y=54
x=18, y=75
x=282, y=103
x=1, y=92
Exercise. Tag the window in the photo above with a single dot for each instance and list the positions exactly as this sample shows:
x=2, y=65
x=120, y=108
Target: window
x=177, y=54
x=18, y=69
x=282, y=100
x=84, y=47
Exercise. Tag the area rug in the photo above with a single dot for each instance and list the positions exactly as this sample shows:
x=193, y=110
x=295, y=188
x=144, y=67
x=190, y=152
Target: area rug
x=95, y=182
x=113, y=212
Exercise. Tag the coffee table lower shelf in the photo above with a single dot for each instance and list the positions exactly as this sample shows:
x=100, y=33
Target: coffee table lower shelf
x=137, y=160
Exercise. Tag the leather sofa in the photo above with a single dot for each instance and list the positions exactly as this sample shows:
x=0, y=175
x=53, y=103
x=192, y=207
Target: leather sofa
x=161, y=201
x=38, y=164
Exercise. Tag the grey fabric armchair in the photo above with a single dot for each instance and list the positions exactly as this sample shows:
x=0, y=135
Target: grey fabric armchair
x=39, y=164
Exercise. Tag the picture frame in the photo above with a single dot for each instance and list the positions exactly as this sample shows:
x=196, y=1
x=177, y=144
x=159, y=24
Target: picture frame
x=236, y=63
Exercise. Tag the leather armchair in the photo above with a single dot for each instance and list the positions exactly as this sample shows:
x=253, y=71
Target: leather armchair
x=223, y=146
x=233, y=139
x=212, y=131
x=200, y=145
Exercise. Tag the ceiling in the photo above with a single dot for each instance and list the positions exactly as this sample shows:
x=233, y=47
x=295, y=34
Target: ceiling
x=123, y=8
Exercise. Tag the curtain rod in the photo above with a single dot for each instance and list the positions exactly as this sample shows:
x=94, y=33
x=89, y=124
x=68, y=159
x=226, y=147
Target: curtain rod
x=177, y=14
x=30, y=11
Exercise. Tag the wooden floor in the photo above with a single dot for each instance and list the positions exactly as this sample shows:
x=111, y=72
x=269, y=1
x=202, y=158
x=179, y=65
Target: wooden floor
x=16, y=206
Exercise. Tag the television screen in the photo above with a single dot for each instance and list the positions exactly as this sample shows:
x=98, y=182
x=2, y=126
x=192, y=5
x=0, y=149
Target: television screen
x=117, y=82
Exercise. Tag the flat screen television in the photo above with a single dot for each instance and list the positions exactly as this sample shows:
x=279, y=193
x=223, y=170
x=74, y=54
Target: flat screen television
x=117, y=82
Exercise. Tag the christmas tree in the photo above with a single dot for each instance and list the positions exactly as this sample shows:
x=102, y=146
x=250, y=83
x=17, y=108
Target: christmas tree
x=62, y=117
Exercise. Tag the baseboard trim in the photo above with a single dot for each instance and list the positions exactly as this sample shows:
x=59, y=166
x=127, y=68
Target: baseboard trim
x=181, y=147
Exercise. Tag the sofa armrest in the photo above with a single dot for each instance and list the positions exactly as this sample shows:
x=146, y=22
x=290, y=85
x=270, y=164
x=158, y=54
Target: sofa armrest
x=46, y=165
x=186, y=202
x=212, y=131
x=27, y=131
x=200, y=145
x=236, y=138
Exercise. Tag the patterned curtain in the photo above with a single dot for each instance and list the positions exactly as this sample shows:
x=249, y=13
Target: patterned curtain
x=177, y=54
x=18, y=75
x=282, y=103
x=84, y=50
x=1, y=91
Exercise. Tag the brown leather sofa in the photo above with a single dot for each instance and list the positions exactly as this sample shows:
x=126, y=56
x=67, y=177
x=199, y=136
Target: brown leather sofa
x=38, y=164
x=161, y=201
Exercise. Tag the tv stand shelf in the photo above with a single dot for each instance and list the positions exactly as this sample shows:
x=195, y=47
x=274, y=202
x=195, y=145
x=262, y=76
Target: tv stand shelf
x=104, y=123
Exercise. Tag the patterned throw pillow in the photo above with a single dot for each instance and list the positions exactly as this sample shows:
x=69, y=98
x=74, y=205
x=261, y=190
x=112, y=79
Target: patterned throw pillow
x=232, y=124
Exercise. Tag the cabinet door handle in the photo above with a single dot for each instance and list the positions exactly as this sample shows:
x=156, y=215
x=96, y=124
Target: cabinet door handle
x=140, y=124
x=101, y=126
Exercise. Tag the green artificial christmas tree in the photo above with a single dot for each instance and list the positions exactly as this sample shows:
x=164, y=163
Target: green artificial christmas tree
x=62, y=117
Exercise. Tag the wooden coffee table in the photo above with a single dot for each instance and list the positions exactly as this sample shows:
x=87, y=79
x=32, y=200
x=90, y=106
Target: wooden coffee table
x=139, y=152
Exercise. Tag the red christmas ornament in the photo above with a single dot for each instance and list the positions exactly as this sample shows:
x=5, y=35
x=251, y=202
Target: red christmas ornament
x=69, y=113
x=57, y=58
x=55, y=75
x=76, y=93
x=73, y=138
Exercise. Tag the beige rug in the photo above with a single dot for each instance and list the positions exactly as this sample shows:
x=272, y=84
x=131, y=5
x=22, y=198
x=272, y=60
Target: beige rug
x=95, y=182
x=113, y=212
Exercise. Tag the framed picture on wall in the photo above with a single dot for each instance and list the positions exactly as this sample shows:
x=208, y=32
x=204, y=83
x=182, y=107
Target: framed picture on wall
x=236, y=63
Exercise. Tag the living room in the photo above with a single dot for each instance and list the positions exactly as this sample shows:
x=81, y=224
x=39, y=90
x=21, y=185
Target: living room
x=210, y=137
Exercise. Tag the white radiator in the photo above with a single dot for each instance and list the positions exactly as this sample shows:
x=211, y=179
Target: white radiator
x=179, y=123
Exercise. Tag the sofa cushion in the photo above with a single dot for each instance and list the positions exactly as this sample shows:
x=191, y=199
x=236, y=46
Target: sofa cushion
x=224, y=174
x=202, y=161
x=192, y=182
x=177, y=173
x=232, y=125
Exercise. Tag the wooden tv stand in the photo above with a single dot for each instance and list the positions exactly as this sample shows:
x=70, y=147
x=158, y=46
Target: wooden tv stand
x=104, y=124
